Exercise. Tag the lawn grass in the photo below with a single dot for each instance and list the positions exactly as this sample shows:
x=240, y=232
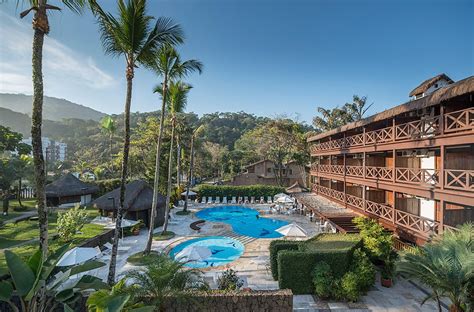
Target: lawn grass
x=29, y=205
x=13, y=234
x=140, y=259
x=162, y=236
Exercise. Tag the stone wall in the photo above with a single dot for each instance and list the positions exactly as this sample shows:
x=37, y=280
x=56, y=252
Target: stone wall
x=254, y=301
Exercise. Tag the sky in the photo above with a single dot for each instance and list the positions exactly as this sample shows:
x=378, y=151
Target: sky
x=266, y=57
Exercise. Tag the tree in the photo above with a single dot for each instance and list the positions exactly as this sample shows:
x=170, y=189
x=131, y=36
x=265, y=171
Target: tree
x=446, y=265
x=330, y=119
x=168, y=65
x=196, y=133
x=358, y=108
x=131, y=35
x=177, y=100
x=109, y=127
x=41, y=28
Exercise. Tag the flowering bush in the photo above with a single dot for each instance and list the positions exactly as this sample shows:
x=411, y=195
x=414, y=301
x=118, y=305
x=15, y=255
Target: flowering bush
x=70, y=222
x=229, y=281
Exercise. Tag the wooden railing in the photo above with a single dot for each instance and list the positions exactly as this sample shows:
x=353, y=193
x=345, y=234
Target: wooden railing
x=355, y=171
x=459, y=179
x=462, y=120
x=379, y=173
x=419, y=224
x=399, y=245
x=334, y=194
x=459, y=121
x=383, y=211
x=417, y=176
x=355, y=201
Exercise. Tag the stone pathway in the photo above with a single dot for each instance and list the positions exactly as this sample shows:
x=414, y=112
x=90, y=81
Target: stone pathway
x=23, y=216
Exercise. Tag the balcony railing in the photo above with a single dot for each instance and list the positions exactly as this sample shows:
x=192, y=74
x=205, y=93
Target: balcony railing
x=458, y=121
x=459, y=179
x=355, y=171
x=379, y=173
x=417, y=176
x=421, y=225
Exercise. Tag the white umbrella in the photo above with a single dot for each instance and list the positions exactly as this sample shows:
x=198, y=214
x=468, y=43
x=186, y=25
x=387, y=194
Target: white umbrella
x=279, y=195
x=78, y=255
x=284, y=200
x=191, y=193
x=194, y=253
x=293, y=230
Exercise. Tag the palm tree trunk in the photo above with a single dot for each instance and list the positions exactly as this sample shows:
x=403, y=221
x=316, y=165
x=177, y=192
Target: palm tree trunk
x=19, y=192
x=178, y=161
x=40, y=22
x=190, y=174
x=123, y=179
x=156, y=179
x=168, y=191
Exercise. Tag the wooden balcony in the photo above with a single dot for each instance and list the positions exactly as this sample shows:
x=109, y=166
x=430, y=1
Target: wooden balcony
x=417, y=176
x=420, y=225
x=459, y=121
x=459, y=179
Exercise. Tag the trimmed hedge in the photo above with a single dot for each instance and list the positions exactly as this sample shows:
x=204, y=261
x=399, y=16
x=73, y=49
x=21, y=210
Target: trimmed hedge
x=295, y=267
x=247, y=190
x=275, y=247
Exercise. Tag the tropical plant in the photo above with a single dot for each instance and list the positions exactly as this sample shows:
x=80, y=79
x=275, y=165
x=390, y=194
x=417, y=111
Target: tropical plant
x=229, y=280
x=109, y=127
x=168, y=65
x=32, y=281
x=177, y=100
x=162, y=278
x=377, y=242
x=133, y=36
x=358, y=108
x=330, y=119
x=40, y=25
x=446, y=265
x=323, y=280
x=196, y=133
x=70, y=222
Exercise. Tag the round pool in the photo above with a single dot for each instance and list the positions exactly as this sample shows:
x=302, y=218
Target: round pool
x=222, y=251
x=245, y=221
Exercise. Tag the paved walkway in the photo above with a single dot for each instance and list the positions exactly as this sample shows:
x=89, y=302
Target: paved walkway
x=23, y=216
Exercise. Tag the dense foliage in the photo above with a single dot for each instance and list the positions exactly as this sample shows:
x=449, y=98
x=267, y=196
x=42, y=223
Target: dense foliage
x=229, y=280
x=248, y=190
x=275, y=247
x=70, y=222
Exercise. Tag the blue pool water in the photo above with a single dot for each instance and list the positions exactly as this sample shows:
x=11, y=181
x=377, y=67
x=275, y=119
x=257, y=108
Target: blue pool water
x=243, y=221
x=223, y=249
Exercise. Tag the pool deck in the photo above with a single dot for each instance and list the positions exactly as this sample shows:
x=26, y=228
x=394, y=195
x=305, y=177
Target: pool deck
x=253, y=265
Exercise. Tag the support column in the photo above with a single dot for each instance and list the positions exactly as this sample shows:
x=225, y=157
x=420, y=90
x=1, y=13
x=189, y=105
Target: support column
x=442, y=205
x=441, y=119
x=363, y=163
x=393, y=130
x=394, y=166
x=344, y=168
x=394, y=194
x=441, y=169
x=363, y=198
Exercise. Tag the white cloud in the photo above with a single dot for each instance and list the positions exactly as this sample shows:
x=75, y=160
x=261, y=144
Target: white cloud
x=60, y=63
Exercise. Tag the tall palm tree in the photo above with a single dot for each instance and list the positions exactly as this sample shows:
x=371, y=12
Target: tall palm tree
x=196, y=133
x=446, y=265
x=330, y=118
x=358, y=108
x=168, y=65
x=177, y=100
x=41, y=28
x=133, y=36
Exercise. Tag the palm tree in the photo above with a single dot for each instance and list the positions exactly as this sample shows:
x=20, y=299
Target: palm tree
x=168, y=65
x=446, y=265
x=330, y=118
x=41, y=28
x=196, y=133
x=358, y=107
x=109, y=127
x=177, y=100
x=133, y=36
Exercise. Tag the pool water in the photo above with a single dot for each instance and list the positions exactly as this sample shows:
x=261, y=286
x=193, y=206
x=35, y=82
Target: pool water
x=244, y=221
x=223, y=249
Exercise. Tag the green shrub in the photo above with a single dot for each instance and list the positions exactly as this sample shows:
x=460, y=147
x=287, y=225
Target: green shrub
x=229, y=190
x=106, y=186
x=364, y=270
x=275, y=247
x=377, y=241
x=70, y=222
x=350, y=287
x=229, y=280
x=322, y=280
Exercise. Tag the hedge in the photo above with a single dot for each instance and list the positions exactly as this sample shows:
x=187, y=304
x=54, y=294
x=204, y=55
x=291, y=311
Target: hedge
x=256, y=191
x=295, y=267
x=275, y=247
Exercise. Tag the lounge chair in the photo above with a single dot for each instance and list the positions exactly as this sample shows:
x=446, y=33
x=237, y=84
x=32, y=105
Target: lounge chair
x=218, y=200
x=224, y=200
x=269, y=200
x=203, y=200
x=234, y=200
x=246, y=199
x=209, y=201
x=252, y=200
x=240, y=200
x=262, y=200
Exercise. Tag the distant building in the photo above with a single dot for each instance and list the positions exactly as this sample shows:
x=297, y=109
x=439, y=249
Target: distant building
x=68, y=191
x=430, y=85
x=265, y=172
x=52, y=150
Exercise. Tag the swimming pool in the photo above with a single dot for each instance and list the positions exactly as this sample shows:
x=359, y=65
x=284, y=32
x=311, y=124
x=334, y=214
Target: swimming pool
x=245, y=221
x=223, y=250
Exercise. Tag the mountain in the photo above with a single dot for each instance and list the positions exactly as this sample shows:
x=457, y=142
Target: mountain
x=53, y=108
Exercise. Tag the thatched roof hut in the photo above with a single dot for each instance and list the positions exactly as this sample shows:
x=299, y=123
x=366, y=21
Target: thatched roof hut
x=137, y=205
x=428, y=83
x=69, y=190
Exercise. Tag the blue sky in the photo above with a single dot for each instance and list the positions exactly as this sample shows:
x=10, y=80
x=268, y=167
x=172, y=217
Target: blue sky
x=263, y=57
